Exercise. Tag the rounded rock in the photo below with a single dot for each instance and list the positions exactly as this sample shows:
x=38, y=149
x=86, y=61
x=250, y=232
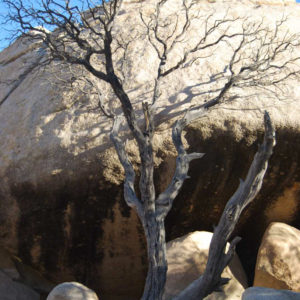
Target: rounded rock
x=72, y=291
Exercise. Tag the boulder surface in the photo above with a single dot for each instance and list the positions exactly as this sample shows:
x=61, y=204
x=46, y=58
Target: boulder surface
x=278, y=260
x=72, y=291
x=187, y=257
x=260, y=293
x=12, y=290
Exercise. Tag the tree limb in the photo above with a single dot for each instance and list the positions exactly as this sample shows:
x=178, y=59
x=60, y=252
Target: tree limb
x=129, y=191
x=165, y=200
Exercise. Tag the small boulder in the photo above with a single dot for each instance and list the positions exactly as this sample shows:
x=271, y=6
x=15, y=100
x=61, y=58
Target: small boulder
x=278, y=259
x=72, y=291
x=187, y=257
x=260, y=293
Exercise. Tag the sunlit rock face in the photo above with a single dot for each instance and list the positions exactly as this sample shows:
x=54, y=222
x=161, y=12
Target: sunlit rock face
x=61, y=198
x=257, y=2
x=279, y=258
x=270, y=2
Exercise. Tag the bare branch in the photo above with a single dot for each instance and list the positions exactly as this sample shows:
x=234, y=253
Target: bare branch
x=129, y=190
x=101, y=104
x=165, y=200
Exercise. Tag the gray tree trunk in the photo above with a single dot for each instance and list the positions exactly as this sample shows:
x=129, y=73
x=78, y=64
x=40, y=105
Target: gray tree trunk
x=157, y=262
x=152, y=210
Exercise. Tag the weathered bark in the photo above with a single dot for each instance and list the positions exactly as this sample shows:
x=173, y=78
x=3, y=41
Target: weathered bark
x=218, y=259
x=157, y=264
x=151, y=210
x=155, y=217
x=166, y=198
x=129, y=191
x=157, y=270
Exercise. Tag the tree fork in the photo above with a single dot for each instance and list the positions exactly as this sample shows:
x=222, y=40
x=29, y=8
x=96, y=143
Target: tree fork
x=218, y=259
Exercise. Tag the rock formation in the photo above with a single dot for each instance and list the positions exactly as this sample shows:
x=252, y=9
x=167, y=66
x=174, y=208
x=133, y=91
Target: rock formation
x=275, y=2
x=187, y=257
x=260, y=293
x=278, y=259
x=72, y=291
x=11, y=284
x=61, y=203
x=11, y=290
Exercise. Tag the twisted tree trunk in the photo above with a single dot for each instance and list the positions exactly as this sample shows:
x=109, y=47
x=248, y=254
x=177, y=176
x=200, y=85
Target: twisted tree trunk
x=152, y=210
x=157, y=262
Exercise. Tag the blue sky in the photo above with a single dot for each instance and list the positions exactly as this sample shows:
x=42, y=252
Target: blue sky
x=4, y=29
x=4, y=34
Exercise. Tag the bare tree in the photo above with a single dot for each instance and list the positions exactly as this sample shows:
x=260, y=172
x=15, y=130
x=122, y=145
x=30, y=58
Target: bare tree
x=85, y=37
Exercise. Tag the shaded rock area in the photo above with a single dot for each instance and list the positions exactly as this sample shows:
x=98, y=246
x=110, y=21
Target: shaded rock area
x=11, y=290
x=187, y=257
x=214, y=179
x=278, y=260
x=19, y=281
x=61, y=198
x=260, y=293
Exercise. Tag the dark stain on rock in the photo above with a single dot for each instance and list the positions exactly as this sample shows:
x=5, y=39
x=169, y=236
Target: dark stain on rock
x=61, y=216
x=65, y=253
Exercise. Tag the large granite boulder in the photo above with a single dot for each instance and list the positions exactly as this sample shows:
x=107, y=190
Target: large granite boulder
x=187, y=257
x=61, y=198
x=260, y=293
x=278, y=260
